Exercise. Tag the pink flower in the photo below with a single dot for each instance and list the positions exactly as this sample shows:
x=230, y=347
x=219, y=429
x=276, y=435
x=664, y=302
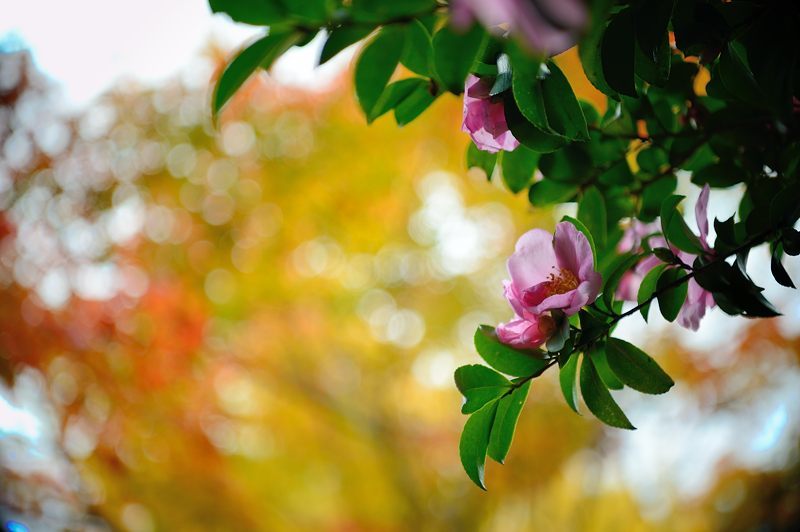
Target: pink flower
x=545, y=26
x=552, y=272
x=697, y=298
x=631, y=240
x=484, y=117
x=527, y=332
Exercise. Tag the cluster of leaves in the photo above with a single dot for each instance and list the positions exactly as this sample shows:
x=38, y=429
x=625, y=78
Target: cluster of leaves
x=698, y=86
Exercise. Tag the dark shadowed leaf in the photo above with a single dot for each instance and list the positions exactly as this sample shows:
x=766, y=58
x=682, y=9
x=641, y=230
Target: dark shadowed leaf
x=670, y=300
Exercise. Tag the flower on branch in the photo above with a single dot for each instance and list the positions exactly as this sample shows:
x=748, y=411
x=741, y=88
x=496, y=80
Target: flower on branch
x=484, y=117
x=545, y=26
x=552, y=276
x=697, y=298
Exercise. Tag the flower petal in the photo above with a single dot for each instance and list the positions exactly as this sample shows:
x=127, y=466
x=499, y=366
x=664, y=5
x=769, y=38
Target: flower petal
x=533, y=260
x=701, y=215
x=573, y=251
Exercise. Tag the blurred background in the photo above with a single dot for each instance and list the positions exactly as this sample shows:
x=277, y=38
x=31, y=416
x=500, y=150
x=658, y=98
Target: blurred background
x=255, y=327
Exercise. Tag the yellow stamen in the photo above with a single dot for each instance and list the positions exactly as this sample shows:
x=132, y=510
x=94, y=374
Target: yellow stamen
x=561, y=283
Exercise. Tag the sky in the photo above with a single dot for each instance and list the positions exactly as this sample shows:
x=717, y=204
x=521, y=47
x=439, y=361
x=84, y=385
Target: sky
x=87, y=46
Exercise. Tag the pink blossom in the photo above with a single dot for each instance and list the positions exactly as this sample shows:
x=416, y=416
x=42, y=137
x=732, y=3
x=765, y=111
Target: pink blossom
x=697, y=298
x=552, y=272
x=545, y=26
x=631, y=240
x=484, y=117
x=528, y=331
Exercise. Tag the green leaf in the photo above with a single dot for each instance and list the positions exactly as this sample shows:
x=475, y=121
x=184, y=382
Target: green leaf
x=589, y=47
x=527, y=133
x=414, y=104
x=607, y=375
x=564, y=113
x=549, y=192
x=379, y=11
x=454, y=54
x=506, y=359
x=592, y=212
x=648, y=287
x=617, y=53
x=261, y=53
x=635, y=368
x=394, y=94
x=670, y=301
x=375, y=66
x=418, y=53
x=309, y=11
x=257, y=12
x=526, y=87
x=479, y=385
x=340, y=38
x=675, y=229
x=721, y=174
x=475, y=441
x=567, y=378
x=481, y=159
x=518, y=167
x=778, y=271
x=505, y=422
x=598, y=399
x=585, y=230
x=618, y=268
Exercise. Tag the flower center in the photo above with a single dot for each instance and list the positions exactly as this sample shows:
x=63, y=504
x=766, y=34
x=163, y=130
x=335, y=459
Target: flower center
x=562, y=282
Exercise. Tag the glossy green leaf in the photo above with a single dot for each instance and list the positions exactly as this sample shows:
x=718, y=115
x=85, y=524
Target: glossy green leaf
x=589, y=47
x=340, y=38
x=598, y=399
x=414, y=104
x=504, y=358
x=375, y=66
x=648, y=288
x=675, y=229
x=454, y=54
x=505, y=422
x=592, y=212
x=479, y=385
x=622, y=264
x=260, y=54
x=518, y=168
x=395, y=93
x=481, y=159
x=607, y=375
x=567, y=377
x=670, y=300
x=417, y=55
x=257, y=12
x=549, y=192
x=527, y=133
x=475, y=442
x=564, y=113
x=636, y=368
